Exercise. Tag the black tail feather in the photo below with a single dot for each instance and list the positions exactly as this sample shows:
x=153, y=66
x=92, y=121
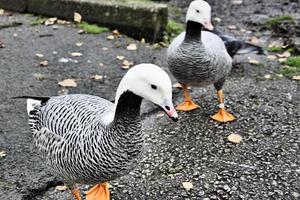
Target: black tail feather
x=42, y=99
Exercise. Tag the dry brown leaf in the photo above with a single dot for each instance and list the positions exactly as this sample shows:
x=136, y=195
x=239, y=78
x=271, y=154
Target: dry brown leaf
x=1, y=12
x=97, y=77
x=236, y=2
x=76, y=54
x=286, y=54
x=61, y=188
x=67, y=83
x=120, y=57
x=272, y=57
x=187, y=185
x=116, y=32
x=281, y=60
x=79, y=44
x=39, y=55
x=232, y=27
x=104, y=48
x=268, y=76
x=234, y=138
x=44, y=63
x=132, y=47
x=2, y=154
x=62, y=22
x=217, y=19
x=126, y=64
x=110, y=37
x=101, y=64
x=253, y=61
x=50, y=21
x=143, y=41
x=254, y=40
x=77, y=17
x=177, y=85
x=297, y=78
x=2, y=45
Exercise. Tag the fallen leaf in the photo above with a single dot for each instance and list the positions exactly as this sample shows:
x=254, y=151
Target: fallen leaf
x=97, y=77
x=272, y=57
x=76, y=54
x=254, y=40
x=50, y=21
x=177, y=85
x=64, y=60
x=236, y=2
x=143, y=41
x=44, y=63
x=15, y=35
x=61, y=188
x=120, y=57
x=2, y=45
x=39, y=55
x=217, y=19
x=62, y=22
x=286, y=54
x=253, y=61
x=126, y=64
x=104, y=48
x=77, y=17
x=281, y=60
x=79, y=44
x=234, y=138
x=187, y=185
x=101, y=64
x=1, y=12
x=116, y=32
x=297, y=78
x=232, y=27
x=2, y=154
x=132, y=47
x=39, y=76
x=81, y=31
x=67, y=83
x=110, y=37
x=268, y=76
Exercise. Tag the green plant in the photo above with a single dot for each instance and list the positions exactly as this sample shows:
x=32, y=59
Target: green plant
x=292, y=68
x=275, y=21
x=38, y=20
x=92, y=28
x=276, y=49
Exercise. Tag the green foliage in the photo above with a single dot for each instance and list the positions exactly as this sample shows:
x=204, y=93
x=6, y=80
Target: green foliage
x=92, y=28
x=293, y=68
x=276, y=49
x=173, y=29
x=38, y=20
x=275, y=21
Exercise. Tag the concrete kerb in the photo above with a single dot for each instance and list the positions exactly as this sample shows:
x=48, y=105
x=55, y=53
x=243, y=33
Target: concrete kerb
x=139, y=20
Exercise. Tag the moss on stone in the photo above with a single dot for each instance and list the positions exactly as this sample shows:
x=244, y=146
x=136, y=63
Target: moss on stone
x=92, y=28
x=292, y=68
x=275, y=21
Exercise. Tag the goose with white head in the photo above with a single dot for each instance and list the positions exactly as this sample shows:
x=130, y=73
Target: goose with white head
x=86, y=139
x=199, y=58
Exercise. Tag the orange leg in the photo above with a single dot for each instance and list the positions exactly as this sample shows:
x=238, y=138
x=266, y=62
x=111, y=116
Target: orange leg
x=222, y=115
x=76, y=192
x=98, y=192
x=188, y=104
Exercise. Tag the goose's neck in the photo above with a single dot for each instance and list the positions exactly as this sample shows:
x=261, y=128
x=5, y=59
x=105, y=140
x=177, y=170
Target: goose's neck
x=127, y=109
x=193, y=31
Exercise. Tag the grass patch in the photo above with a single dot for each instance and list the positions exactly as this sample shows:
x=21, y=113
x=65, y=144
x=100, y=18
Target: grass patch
x=293, y=68
x=38, y=21
x=173, y=29
x=276, y=49
x=92, y=28
x=275, y=21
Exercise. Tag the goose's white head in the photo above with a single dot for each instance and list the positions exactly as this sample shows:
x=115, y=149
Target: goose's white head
x=200, y=11
x=151, y=83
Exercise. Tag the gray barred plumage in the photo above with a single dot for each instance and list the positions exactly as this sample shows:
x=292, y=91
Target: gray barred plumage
x=77, y=146
x=198, y=59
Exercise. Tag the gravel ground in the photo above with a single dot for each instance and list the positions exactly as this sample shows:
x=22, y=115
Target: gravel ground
x=265, y=165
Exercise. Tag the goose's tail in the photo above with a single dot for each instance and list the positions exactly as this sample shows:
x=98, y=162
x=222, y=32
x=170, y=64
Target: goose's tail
x=33, y=102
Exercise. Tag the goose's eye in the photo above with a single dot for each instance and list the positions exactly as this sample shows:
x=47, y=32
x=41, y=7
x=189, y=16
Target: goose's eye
x=154, y=87
x=197, y=11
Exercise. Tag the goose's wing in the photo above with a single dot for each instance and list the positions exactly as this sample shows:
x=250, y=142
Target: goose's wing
x=235, y=46
x=64, y=114
x=210, y=40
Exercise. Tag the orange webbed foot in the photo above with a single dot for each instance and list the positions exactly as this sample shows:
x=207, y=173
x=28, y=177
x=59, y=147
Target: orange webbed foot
x=187, y=106
x=223, y=116
x=98, y=192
